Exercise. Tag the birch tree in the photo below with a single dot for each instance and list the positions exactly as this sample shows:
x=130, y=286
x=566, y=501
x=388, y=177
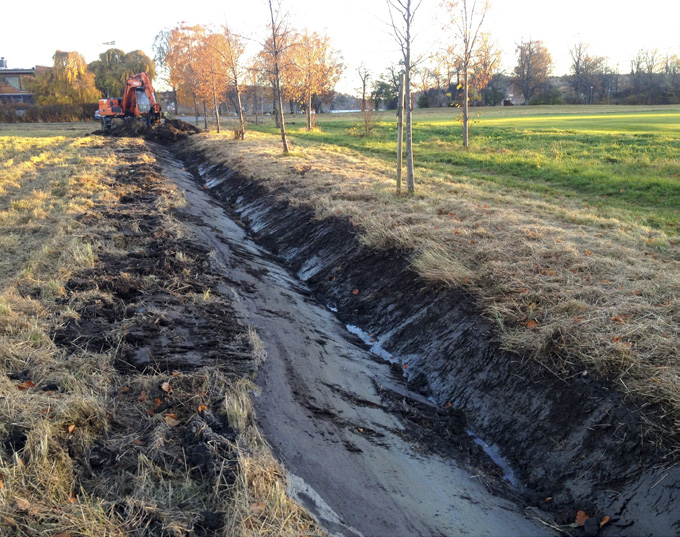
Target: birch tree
x=402, y=13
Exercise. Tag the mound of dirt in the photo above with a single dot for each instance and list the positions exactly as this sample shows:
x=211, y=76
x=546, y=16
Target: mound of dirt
x=168, y=132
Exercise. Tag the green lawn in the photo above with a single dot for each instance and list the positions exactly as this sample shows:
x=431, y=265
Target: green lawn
x=622, y=161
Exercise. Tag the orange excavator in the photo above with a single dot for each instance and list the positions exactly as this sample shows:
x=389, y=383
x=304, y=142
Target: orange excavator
x=139, y=100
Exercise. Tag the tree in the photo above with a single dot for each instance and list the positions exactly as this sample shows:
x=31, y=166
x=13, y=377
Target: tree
x=404, y=11
x=236, y=72
x=211, y=71
x=467, y=17
x=317, y=69
x=69, y=81
x=274, y=48
x=114, y=67
x=161, y=47
x=181, y=57
x=364, y=76
x=487, y=64
x=534, y=64
x=586, y=71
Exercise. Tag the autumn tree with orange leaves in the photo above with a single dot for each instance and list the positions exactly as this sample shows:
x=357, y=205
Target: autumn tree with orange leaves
x=316, y=69
x=211, y=71
x=181, y=57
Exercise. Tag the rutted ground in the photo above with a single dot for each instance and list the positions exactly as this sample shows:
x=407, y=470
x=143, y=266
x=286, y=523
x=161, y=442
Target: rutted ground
x=124, y=371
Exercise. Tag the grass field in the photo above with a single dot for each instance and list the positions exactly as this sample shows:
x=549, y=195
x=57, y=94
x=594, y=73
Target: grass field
x=562, y=223
x=614, y=162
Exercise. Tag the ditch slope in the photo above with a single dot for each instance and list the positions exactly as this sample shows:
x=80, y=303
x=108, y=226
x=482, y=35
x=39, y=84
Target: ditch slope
x=571, y=443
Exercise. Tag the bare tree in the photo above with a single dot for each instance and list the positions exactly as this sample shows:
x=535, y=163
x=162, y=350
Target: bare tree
x=278, y=28
x=402, y=13
x=364, y=76
x=467, y=17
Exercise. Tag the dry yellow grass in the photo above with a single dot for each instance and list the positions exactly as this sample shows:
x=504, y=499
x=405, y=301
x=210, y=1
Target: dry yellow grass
x=575, y=291
x=46, y=435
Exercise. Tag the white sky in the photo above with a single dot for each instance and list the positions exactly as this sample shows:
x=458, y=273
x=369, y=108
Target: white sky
x=617, y=29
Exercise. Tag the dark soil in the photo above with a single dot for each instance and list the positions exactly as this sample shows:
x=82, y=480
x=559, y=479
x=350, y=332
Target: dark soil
x=153, y=303
x=574, y=442
x=167, y=132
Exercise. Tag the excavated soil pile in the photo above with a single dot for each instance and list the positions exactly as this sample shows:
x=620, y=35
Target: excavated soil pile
x=574, y=443
x=150, y=300
x=168, y=132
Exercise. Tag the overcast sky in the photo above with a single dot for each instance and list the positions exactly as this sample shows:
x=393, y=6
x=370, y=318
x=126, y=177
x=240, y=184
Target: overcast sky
x=31, y=32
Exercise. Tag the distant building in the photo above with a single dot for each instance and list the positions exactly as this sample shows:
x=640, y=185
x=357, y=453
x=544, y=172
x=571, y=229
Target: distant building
x=13, y=82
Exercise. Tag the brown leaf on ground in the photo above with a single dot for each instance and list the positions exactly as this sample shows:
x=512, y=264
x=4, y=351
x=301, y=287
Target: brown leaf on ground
x=532, y=324
x=581, y=518
x=142, y=397
x=171, y=420
x=355, y=292
x=22, y=504
x=72, y=498
x=71, y=428
x=166, y=387
x=257, y=508
x=604, y=521
x=26, y=385
x=201, y=408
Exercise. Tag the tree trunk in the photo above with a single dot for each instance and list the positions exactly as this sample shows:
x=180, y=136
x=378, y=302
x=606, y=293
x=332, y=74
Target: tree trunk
x=205, y=116
x=309, y=110
x=400, y=133
x=241, y=117
x=277, y=82
x=195, y=108
x=217, y=110
x=410, y=179
x=466, y=105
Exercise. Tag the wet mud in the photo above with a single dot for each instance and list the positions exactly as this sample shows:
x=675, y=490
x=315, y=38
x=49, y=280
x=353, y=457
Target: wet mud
x=570, y=443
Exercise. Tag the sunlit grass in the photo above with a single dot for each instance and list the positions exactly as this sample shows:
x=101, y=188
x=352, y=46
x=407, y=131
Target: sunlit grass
x=622, y=164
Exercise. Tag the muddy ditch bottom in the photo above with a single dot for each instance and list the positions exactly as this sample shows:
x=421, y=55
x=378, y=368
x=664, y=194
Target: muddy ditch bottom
x=365, y=455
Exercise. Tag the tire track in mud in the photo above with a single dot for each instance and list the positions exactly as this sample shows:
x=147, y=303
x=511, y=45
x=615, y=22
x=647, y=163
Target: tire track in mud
x=364, y=454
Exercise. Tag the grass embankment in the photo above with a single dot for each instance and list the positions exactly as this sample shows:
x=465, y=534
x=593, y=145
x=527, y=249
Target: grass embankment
x=564, y=226
x=89, y=446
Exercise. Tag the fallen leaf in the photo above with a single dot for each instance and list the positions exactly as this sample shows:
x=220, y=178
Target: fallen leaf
x=22, y=504
x=126, y=389
x=142, y=397
x=157, y=403
x=360, y=430
x=137, y=442
x=201, y=408
x=257, y=508
x=72, y=498
x=2, y=481
x=355, y=292
x=166, y=387
x=604, y=521
x=26, y=385
x=171, y=420
x=617, y=319
x=581, y=518
x=405, y=366
x=63, y=534
x=588, y=252
x=532, y=324
x=71, y=428
x=548, y=499
x=176, y=373
x=617, y=338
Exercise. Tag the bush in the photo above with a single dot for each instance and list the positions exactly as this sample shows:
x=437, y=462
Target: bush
x=24, y=113
x=61, y=112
